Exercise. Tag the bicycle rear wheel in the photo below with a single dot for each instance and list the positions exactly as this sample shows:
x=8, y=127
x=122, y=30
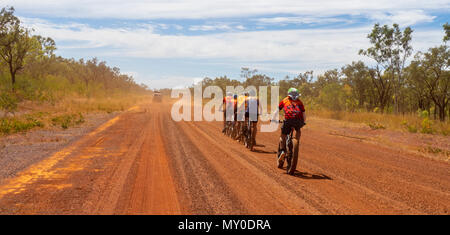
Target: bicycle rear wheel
x=248, y=136
x=293, y=158
x=280, y=163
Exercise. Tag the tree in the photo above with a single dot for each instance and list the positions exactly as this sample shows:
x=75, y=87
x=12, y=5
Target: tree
x=447, y=32
x=390, y=49
x=433, y=76
x=357, y=77
x=15, y=42
x=247, y=72
x=258, y=80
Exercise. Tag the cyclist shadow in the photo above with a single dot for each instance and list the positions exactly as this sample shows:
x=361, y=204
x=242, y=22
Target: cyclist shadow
x=309, y=176
x=263, y=151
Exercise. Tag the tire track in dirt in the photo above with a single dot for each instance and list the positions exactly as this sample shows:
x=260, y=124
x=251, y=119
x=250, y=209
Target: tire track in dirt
x=259, y=188
x=92, y=176
x=143, y=162
x=153, y=191
x=366, y=178
x=200, y=186
x=351, y=191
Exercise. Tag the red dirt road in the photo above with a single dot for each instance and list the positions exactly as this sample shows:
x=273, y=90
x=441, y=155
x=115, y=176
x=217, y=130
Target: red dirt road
x=143, y=162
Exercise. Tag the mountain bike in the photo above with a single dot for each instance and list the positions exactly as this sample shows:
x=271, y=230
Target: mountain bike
x=248, y=134
x=291, y=155
x=230, y=129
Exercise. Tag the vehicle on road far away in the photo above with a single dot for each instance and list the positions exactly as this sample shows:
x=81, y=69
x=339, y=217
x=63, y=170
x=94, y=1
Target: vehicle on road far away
x=157, y=96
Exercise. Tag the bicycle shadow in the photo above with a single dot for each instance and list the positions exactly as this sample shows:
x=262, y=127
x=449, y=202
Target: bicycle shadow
x=263, y=151
x=310, y=176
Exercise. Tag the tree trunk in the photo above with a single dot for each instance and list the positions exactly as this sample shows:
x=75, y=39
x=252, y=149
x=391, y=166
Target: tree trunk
x=13, y=80
x=442, y=113
x=435, y=111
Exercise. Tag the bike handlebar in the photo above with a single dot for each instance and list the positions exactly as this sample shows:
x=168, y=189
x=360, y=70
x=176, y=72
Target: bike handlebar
x=281, y=121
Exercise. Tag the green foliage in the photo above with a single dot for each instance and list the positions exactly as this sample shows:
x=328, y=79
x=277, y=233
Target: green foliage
x=410, y=128
x=67, y=120
x=8, y=102
x=332, y=97
x=424, y=114
x=427, y=126
x=447, y=32
x=14, y=125
x=45, y=77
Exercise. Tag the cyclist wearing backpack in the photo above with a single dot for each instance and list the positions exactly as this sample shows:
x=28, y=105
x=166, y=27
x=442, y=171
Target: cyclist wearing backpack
x=228, y=101
x=252, y=111
x=294, y=117
x=241, y=114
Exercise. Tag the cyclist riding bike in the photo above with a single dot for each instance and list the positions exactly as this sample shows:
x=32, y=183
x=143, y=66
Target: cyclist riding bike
x=252, y=110
x=241, y=113
x=294, y=118
x=228, y=101
x=235, y=98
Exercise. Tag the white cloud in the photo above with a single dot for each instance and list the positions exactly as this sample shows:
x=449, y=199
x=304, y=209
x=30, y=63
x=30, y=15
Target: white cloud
x=403, y=18
x=174, y=82
x=217, y=26
x=210, y=27
x=199, y=9
x=271, y=50
x=301, y=20
x=307, y=45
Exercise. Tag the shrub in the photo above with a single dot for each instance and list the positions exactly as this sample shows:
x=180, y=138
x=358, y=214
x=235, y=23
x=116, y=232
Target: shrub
x=8, y=102
x=67, y=120
x=427, y=126
x=376, y=126
x=410, y=128
x=13, y=125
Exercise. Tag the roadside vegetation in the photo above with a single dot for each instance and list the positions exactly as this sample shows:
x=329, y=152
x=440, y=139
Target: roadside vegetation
x=41, y=89
x=391, y=92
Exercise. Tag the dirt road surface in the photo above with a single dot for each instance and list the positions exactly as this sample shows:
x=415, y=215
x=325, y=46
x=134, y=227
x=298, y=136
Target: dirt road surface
x=143, y=162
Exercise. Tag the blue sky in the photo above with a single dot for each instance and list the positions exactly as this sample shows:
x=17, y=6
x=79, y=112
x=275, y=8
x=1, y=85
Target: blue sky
x=174, y=43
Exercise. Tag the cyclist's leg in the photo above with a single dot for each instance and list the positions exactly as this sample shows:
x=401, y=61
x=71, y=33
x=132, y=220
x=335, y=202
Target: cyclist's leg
x=254, y=131
x=298, y=133
x=285, y=130
x=235, y=125
x=238, y=129
x=283, y=142
x=224, y=120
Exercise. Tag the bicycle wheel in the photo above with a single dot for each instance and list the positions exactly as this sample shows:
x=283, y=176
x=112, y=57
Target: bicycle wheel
x=279, y=163
x=246, y=137
x=249, y=135
x=293, y=158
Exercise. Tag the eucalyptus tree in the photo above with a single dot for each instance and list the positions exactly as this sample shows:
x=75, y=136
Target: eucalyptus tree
x=15, y=42
x=431, y=74
x=356, y=75
x=390, y=49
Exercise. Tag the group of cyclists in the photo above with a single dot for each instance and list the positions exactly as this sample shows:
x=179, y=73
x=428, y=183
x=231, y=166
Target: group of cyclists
x=241, y=115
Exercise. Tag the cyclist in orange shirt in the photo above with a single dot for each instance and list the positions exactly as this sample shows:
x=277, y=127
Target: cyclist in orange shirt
x=252, y=111
x=294, y=117
x=228, y=101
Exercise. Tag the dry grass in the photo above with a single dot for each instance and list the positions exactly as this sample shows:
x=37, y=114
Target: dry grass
x=64, y=114
x=409, y=122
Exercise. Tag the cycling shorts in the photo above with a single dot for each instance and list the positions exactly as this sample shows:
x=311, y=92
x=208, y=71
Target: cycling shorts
x=288, y=124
